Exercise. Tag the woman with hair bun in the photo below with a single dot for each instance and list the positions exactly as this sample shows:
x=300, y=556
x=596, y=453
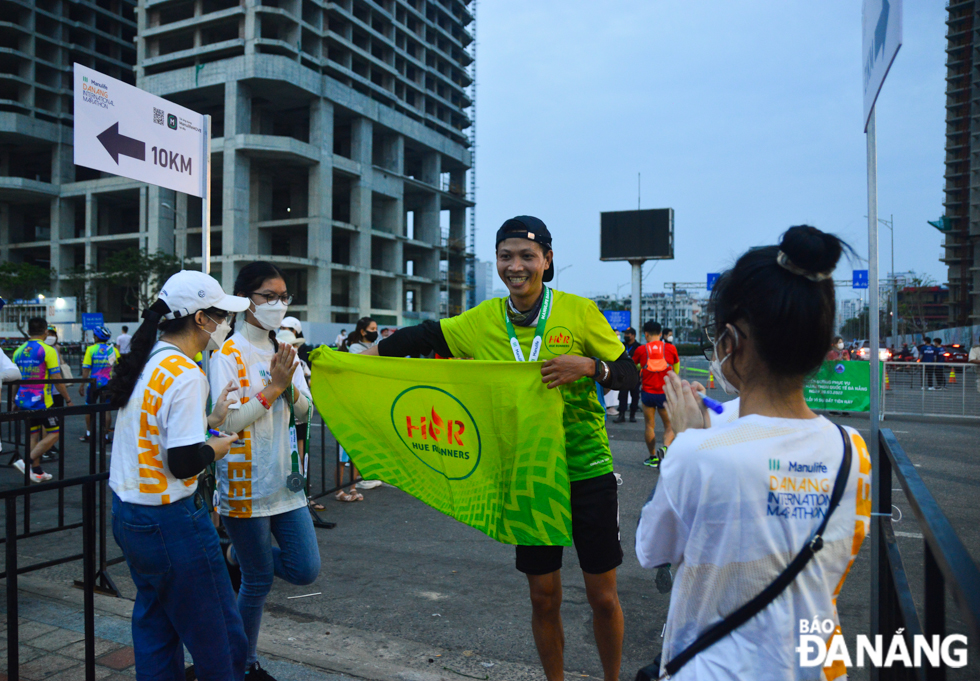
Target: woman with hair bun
x=161, y=523
x=737, y=503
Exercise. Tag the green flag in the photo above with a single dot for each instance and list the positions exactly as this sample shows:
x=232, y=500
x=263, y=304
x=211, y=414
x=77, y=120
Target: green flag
x=479, y=441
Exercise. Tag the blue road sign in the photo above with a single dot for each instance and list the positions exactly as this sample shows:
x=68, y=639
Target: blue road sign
x=860, y=279
x=618, y=319
x=712, y=278
x=92, y=321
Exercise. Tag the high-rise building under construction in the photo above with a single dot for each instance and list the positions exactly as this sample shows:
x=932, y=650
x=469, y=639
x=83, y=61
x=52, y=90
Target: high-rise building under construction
x=339, y=152
x=961, y=225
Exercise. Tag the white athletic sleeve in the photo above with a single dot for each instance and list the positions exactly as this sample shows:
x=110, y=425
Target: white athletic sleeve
x=665, y=520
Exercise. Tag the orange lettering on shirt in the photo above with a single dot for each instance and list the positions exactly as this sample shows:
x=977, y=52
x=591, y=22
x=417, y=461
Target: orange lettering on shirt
x=146, y=428
x=159, y=381
x=158, y=487
x=863, y=456
x=151, y=403
x=149, y=453
x=863, y=498
x=240, y=489
x=240, y=508
x=176, y=364
x=239, y=469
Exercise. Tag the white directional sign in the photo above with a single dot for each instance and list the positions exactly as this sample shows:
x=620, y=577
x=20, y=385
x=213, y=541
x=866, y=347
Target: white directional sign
x=882, y=24
x=126, y=131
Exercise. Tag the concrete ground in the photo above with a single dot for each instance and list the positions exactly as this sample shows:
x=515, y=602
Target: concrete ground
x=407, y=593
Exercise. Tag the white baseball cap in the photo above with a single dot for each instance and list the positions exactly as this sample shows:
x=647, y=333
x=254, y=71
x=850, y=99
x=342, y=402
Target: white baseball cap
x=289, y=338
x=190, y=290
x=292, y=323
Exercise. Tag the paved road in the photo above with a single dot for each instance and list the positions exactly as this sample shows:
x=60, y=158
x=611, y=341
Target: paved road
x=396, y=568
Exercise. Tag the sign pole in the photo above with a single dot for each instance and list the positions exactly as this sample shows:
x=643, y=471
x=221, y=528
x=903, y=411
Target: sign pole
x=206, y=201
x=635, y=320
x=873, y=322
x=206, y=222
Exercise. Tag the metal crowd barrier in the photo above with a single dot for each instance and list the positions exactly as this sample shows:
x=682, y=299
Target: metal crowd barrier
x=327, y=459
x=932, y=389
x=950, y=389
x=97, y=464
x=88, y=484
x=948, y=567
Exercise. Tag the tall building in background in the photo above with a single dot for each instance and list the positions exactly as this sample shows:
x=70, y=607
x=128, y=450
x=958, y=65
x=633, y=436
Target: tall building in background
x=340, y=145
x=485, y=276
x=47, y=209
x=962, y=224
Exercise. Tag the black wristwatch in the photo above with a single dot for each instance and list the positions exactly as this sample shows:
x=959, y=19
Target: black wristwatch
x=601, y=372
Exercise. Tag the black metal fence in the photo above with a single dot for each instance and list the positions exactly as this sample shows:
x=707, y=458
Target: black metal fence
x=948, y=567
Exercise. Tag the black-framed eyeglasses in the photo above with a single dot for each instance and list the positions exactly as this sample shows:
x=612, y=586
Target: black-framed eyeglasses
x=270, y=298
x=708, y=339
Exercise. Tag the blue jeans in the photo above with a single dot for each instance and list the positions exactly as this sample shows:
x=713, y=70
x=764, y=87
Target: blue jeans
x=184, y=596
x=296, y=560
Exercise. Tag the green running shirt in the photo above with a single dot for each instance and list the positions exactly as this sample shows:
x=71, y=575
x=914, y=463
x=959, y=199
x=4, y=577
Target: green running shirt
x=575, y=327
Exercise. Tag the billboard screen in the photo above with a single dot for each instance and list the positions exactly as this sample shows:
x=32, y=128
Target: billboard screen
x=637, y=235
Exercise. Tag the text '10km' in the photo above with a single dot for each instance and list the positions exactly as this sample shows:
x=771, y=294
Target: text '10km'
x=172, y=160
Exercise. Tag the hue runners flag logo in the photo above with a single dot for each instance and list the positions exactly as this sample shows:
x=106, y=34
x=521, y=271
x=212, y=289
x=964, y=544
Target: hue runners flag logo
x=438, y=430
x=558, y=340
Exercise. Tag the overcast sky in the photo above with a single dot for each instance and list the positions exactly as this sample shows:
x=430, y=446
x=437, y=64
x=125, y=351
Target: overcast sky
x=744, y=117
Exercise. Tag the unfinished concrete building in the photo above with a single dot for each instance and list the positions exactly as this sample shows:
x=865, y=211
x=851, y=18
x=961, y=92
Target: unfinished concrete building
x=340, y=149
x=961, y=225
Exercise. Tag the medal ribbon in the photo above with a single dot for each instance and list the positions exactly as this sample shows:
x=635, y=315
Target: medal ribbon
x=538, y=331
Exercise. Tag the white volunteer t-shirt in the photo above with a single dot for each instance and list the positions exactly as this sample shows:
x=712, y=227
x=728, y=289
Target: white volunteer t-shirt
x=252, y=477
x=167, y=409
x=123, y=341
x=728, y=415
x=733, y=506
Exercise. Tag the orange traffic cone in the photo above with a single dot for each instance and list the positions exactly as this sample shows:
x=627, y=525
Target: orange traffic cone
x=952, y=376
x=711, y=381
x=888, y=382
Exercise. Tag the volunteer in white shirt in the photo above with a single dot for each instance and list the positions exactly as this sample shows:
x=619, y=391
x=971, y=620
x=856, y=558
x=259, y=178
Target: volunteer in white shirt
x=161, y=523
x=735, y=503
x=261, y=483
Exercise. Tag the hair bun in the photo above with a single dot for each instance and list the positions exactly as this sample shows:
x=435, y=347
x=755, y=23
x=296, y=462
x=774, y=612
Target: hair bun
x=811, y=249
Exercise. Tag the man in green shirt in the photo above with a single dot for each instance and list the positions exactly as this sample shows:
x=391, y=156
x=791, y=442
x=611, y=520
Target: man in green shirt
x=579, y=348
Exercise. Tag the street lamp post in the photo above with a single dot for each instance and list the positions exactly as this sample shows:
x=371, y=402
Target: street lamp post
x=558, y=274
x=890, y=224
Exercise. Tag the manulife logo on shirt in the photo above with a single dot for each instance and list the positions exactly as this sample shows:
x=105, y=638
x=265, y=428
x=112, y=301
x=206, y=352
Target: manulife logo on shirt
x=438, y=429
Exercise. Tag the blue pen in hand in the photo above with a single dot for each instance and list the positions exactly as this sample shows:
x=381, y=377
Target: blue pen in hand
x=713, y=405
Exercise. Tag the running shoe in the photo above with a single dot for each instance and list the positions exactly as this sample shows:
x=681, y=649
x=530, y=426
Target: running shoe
x=662, y=452
x=19, y=465
x=256, y=673
x=653, y=461
x=367, y=484
x=40, y=477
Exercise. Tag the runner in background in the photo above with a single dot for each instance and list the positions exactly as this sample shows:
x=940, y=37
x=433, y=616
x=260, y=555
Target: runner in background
x=579, y=348
x=161, y=523
x=668, y=336
x=97, y=364
x=39, y=361
x=655, y=359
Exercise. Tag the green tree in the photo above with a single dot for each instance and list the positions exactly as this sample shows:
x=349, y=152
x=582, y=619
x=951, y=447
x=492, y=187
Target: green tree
x=24, y=280
x=138, y=274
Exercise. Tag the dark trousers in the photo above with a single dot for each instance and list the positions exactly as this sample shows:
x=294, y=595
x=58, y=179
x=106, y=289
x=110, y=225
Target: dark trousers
x=934, y=373
x=633, y=397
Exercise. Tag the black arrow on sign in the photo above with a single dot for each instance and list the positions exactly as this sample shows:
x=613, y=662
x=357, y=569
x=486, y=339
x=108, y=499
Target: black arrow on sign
x=117, y=144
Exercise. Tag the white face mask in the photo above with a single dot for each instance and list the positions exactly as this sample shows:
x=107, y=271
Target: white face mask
x=51, y=340
x=840, y=346
x=270, y=315
x=219, y=335
x=670, y=339
x=718, y=373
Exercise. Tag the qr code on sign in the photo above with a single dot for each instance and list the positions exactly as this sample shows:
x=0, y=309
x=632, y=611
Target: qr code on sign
x=158, y=116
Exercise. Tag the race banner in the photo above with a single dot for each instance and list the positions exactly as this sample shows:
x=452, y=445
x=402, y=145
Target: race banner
x=841, y=386
x=481, y=442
